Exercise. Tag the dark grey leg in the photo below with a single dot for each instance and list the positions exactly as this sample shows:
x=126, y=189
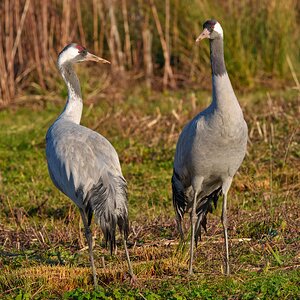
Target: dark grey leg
x=89, y=238
x=193, y=218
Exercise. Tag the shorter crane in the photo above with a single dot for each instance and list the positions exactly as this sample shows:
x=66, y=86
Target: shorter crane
x=84, y=165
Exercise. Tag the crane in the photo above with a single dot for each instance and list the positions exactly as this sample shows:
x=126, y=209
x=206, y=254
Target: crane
x=84, y=165
x=210, y=149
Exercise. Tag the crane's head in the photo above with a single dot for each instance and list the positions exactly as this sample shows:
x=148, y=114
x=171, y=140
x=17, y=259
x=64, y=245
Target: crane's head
x=74, y=53
x=211, y=30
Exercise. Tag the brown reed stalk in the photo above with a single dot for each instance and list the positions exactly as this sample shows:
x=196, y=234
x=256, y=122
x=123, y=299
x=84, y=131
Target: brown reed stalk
x=65, y=24
x=73, y=33
x=45, y=38
x=38, y=14
x=147, y=47
x=167, y=37
x=103, y=30
x=8, y=46
x=3, y=78
x=292, y=69
x=51, y=32
x=17, y=22
x=6, y=29
x=101, y=35
x=164, y=47
x=2, y=69
x=35, y=41
x=18, y=36
x=109, y=39
x=175, y=35
x=58, y=23
x=127, y=47
x=114, y=36
x=80, y=26
x=95, y=26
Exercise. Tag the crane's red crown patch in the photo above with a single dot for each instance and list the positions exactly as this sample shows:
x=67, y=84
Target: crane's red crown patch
x=80, y=48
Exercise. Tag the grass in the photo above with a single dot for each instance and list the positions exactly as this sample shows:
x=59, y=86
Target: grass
x=43, y=254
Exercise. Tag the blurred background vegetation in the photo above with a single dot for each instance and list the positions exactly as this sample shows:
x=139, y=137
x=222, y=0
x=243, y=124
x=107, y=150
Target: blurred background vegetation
x=148, y=41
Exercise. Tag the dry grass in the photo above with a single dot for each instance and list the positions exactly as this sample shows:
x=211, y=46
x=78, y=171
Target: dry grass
x=43, y=247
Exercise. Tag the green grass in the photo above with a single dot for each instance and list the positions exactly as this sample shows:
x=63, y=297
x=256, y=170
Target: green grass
x=41, y=236
x=278, y=285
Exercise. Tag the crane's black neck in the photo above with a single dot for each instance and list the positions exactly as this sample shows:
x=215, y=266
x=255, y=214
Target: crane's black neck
x=71, y=81
x=218, y=67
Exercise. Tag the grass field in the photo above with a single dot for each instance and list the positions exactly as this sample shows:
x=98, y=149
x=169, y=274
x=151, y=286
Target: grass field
x=43, y=252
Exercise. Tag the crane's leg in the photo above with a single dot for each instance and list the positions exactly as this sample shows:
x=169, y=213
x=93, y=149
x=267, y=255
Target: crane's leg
x=224, y=223
x=133, y=278
x=193, y=218
x=179, y=226
x=225, y=189
x=89, y=238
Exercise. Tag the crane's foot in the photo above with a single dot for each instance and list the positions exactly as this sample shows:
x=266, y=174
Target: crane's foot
x=227, y=270
x=133, y=280
x=190, y=272
x=95, y=284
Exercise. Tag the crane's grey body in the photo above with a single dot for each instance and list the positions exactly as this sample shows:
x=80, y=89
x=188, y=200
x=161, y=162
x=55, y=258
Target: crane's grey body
x=209, y=151
x=84, y=165
x=212, y=146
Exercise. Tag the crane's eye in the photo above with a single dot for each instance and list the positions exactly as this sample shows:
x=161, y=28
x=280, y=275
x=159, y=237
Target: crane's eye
x=83, y=52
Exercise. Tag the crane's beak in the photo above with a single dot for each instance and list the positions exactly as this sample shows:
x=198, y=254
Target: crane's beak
x=92, y=57
x=205, y=34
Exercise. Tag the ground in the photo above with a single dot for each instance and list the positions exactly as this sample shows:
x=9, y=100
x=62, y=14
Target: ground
x=43, y=252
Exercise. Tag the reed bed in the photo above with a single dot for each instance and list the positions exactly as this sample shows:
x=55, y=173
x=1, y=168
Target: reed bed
x=146, y=40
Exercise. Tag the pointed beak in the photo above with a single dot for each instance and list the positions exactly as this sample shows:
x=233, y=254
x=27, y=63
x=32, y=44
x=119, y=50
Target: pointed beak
x=92, y=57
x=204, y=35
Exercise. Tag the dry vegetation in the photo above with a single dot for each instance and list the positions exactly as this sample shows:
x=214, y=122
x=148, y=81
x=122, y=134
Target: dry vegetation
x=43, y=249
x=146, y=40
x=43, y=254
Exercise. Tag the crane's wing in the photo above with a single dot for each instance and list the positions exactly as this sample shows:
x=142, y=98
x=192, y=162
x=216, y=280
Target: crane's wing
x=186, y=153
x=78, y=157
x=181, y=183
x=85, y=167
